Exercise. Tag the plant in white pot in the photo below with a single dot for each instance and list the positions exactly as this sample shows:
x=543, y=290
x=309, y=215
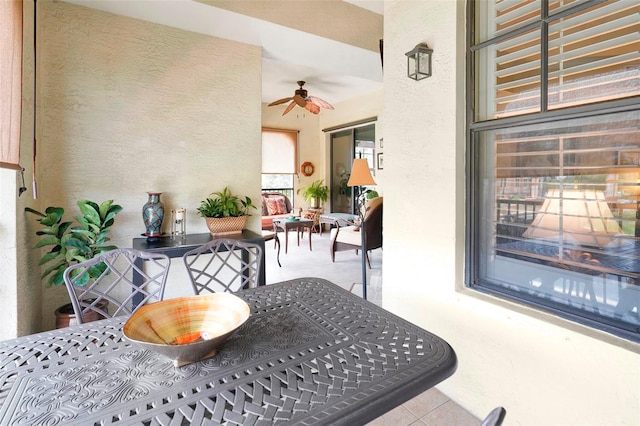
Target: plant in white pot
x=224, y=212
x=315, y=193
x=74, y=244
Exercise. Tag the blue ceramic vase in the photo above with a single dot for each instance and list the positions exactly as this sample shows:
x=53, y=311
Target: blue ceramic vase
x=153, y=215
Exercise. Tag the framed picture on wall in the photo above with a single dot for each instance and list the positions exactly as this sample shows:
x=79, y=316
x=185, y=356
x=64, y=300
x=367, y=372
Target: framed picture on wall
x=380, y=161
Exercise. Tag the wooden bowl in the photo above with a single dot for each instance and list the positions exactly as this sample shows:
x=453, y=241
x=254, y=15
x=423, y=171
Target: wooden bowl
x=187, y=329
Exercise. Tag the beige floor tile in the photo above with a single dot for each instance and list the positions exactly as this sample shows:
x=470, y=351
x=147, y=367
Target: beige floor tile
x=450, y=414
x=399, y=416
x=426, y=402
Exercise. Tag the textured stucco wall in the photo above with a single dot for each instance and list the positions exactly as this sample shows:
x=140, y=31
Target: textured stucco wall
x=542, y=369
x=127, y=106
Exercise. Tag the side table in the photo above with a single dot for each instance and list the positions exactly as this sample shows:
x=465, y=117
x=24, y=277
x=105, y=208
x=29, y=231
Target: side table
x=287, y=224
x=314, y=214
x=270, y=235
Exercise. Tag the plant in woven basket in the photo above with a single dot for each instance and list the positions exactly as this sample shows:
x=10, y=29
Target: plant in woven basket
x=74, y=244
x=225, y=212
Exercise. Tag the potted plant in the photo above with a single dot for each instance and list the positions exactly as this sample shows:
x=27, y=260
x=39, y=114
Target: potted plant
x=372, y=193
x=74, y=244
x=315, y=193
x=225, y=213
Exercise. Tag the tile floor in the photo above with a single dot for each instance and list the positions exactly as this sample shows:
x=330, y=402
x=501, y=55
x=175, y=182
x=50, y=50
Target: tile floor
x=432, y=407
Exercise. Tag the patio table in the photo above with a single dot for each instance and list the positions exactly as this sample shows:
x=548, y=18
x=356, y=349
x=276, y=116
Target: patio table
x=311, y=353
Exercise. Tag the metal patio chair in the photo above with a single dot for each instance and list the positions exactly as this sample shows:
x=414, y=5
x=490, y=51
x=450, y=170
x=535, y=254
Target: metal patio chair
x=121, y=285
x=223, y=265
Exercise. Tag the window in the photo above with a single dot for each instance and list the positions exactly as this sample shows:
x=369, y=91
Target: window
x=554, y=162
x=279, y=160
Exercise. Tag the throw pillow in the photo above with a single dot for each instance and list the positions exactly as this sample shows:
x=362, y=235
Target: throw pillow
x=275, y=206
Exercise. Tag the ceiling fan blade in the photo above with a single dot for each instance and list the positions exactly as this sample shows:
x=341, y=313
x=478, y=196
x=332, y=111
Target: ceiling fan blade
x=312, y=108
x=320, y=102
x=300, y=100
x=289, y=108
x=280, y=101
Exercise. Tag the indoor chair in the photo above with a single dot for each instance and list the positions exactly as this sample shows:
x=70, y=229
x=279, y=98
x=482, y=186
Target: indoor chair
x=121, y=283
x=223, y=265
x=349, y=237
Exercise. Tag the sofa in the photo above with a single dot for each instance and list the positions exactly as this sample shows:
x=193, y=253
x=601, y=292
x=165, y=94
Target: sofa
x=275, y=205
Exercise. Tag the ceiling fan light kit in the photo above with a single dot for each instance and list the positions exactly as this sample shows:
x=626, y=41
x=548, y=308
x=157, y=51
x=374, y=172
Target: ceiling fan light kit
x=302, y=99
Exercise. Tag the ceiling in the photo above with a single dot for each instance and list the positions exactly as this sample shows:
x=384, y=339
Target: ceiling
x=334, y=71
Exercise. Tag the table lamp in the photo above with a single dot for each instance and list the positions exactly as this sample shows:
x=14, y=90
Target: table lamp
x=361, y=176
x=577, y=216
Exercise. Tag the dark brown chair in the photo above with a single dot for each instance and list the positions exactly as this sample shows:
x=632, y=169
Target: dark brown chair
x=349, y=237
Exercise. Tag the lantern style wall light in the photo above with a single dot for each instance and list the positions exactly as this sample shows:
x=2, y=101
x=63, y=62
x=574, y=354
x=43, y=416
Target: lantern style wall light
x=419, y=62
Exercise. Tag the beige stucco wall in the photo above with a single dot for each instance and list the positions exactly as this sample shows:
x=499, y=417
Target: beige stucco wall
x=542, y=369
x=126, y=106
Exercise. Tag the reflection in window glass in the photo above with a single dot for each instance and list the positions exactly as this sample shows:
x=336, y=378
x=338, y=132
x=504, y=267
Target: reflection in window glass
x=560, y=214
x=555, y=214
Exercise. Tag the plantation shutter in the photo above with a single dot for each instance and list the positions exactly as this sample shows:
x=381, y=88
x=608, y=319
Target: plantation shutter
x=590, y=56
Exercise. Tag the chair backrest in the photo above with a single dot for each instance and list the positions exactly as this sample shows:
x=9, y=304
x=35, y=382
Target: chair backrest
x=495, y=417
x=123, y=285
x=373, y=223
x=371, y=206
x=223, y=265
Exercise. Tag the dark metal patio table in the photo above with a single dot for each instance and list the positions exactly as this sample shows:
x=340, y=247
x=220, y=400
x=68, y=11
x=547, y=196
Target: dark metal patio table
x=311, y=353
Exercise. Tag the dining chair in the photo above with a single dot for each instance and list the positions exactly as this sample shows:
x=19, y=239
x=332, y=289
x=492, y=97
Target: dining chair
x=223, y=265
x=122, y=285
x=495, y=417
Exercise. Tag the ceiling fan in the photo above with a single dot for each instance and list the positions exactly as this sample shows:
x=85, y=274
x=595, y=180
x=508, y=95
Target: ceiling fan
x=302, y=98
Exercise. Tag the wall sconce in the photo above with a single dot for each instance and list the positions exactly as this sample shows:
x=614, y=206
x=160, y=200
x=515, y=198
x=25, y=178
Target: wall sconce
x=419, y=62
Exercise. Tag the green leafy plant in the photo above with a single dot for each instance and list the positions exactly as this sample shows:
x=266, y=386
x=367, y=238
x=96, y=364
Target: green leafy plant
x=74, y=244
x=317, y=190
x=372, y=193
x=225, y=204
x=343, y=188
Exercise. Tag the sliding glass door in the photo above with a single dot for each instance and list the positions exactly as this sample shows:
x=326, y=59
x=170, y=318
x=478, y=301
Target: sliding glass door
x=357, y=142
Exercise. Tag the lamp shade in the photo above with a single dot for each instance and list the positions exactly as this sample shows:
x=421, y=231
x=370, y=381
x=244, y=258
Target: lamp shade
x=360, y=173
x=576, y=216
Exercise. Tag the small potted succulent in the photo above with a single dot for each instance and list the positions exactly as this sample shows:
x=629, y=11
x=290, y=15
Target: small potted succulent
x=315, y=193
x=224, y=212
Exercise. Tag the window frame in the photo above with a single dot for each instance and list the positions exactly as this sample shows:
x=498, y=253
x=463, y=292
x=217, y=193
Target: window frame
x=472, y=158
